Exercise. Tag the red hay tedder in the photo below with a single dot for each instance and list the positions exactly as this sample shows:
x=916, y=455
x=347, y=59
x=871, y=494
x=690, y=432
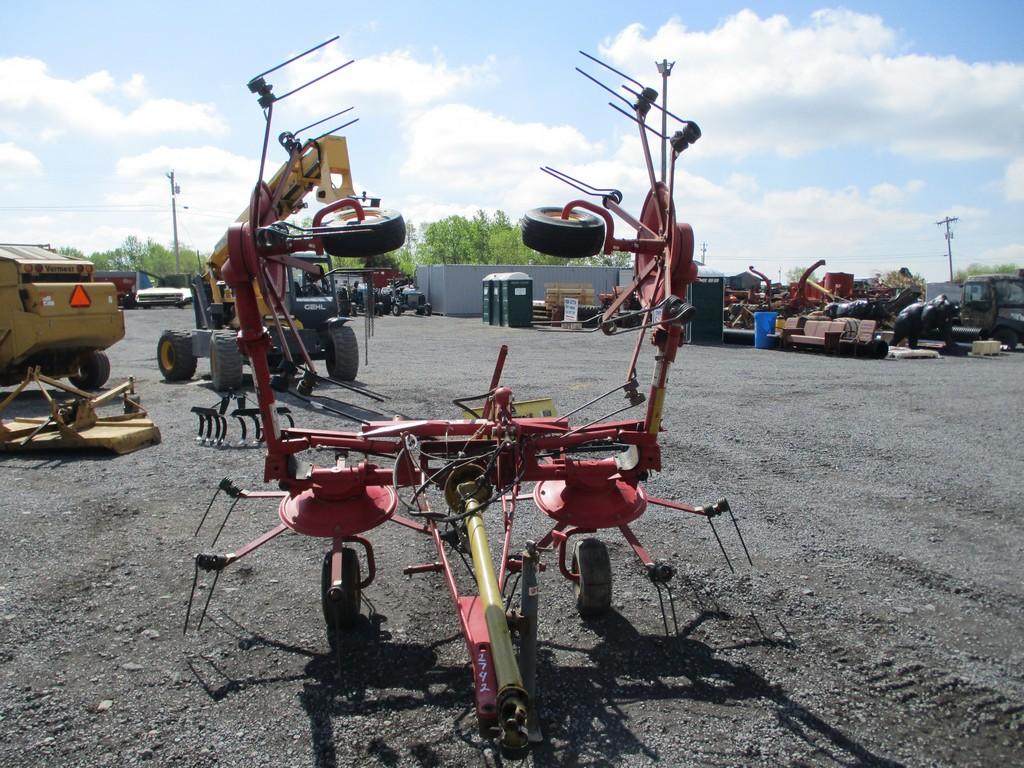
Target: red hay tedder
x=387, y=467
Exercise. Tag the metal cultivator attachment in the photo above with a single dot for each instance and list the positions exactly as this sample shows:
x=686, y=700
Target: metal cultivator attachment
x=212, y=421
x=586, y=476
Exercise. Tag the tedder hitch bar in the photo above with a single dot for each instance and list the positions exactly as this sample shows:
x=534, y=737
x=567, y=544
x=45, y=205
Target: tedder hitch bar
x=390, y=469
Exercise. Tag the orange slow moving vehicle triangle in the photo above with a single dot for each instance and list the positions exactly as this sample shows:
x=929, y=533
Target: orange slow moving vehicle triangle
x=79, y=298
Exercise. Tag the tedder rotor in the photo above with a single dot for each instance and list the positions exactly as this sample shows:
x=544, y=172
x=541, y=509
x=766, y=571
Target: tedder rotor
x=388, y=469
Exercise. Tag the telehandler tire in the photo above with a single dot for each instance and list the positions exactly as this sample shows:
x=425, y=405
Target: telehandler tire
x=343, y=353
x=578, y=237
x=225, y=362
x=93, y=371
x=174, y=356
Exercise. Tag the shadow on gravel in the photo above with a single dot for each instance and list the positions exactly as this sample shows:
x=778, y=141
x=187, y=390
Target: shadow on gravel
x=585, y=720
x=367, y=676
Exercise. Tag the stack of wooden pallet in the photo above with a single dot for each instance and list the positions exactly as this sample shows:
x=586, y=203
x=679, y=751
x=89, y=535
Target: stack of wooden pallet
x=555, y=294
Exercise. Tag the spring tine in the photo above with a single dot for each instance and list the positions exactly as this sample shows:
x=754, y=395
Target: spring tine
x=623, y=75
x=724, y=553
x=207, y=512
x=209, y=597
x=758, y=625
x=740, y=534
x=661, y=603
x=222, y=429
x=637, y=121
x=672, y=605
x=224, y=522
x=288, y=415
x=191, y=596
x=245, y=432
x=610, y=90
x=258, y=425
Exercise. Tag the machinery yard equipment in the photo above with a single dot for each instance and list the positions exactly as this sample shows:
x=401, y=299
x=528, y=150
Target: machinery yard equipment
x=586, y=476
x=308, y=309
x=409, y=298
x=54, y=318
x=995, y=305
x=75, y=422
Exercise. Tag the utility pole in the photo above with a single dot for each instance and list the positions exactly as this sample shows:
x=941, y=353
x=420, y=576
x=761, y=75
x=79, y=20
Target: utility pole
x=703, y=251
x=175, y=189
x=665, y=68
x=949, y=241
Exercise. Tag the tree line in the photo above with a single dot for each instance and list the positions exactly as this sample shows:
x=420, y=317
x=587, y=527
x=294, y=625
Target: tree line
x=483, y=239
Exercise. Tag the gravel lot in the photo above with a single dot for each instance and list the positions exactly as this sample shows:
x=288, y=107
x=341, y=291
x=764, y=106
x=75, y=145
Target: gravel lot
x=881, y=624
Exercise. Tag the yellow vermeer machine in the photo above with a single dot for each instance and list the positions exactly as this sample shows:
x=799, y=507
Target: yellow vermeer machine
x=55, y=323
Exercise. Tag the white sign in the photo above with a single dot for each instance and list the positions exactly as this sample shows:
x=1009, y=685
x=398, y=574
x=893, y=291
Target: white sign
x=572, y=308
x=519, y=291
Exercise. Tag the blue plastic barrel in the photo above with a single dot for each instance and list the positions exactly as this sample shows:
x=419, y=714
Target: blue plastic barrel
x=764, y=330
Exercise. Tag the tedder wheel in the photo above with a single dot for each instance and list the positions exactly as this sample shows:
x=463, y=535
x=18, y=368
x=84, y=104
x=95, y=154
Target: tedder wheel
x=225, y=361
x=380, y=232
x=579, y=236
x=343, y=353
x=1007, y=337
x=174, y=355
x=594, y=589
x=93, y=371
x=344, y=611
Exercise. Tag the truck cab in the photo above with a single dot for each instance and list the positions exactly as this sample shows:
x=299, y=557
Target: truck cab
x=995, y=304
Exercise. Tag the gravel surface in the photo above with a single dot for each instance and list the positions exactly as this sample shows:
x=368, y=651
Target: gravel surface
x=880, y=625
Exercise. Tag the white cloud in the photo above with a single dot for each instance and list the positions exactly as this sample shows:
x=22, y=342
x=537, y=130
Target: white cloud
x=135, y=87
x=386, y=79
x=1015, y=180
x=887, y=194
x=29, y=94
x=1006, y=254
x=15, y=161
x=758, y=84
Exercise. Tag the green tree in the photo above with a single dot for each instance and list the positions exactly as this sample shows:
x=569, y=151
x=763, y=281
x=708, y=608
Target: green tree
x=74, y=253
x=984, y=269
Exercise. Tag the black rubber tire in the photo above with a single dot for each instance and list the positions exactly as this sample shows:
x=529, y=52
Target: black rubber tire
x=1007, y=337
x=429, y=310
x=342, y=353
x=382, y=231
x=225, y=362
x=594, y=589
x=343, y=613
x=174, y=355
x=93, y=371
x=588, y=312
x=578, y=237
x=396, y=309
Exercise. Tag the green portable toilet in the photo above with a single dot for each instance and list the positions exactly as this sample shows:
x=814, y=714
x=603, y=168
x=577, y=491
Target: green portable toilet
x=516, y=299
x=707, y=294
x=488, y=288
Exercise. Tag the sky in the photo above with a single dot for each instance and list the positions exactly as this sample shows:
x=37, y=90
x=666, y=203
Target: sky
x=830, y=132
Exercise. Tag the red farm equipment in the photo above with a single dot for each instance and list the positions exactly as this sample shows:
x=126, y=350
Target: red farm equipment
x=388, y=467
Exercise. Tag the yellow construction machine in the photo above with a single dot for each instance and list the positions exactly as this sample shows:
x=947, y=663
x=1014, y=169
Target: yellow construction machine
x=310, y=295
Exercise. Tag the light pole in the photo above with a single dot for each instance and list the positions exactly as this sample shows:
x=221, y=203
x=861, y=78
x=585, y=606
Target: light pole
x=175, y=189
x=665, y=68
